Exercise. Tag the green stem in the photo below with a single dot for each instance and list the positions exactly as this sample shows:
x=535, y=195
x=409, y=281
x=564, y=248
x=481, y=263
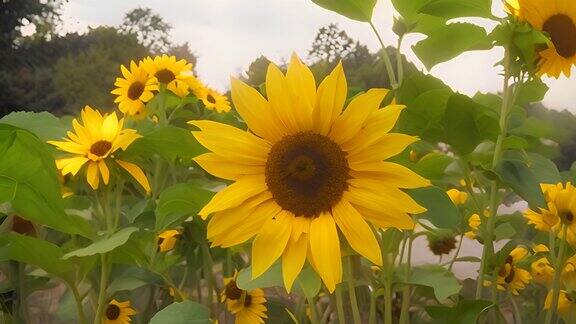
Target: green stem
x=352, y=292
x=457, y=252
x=372, y=314
x=339, y=305
x=388, y=301
x=102, y=290
x=406, y=291
x=313, y=311
x=386, y=58
x=78, y=301
x=558, y=265
x=399, y=61
x=517, y=314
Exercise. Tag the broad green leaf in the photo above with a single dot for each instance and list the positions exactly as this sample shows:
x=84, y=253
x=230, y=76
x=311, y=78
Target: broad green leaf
x=465, y=312
x=415, y=21
x=450, y=9
x=446, y=43
x=468, y=123
x=531, y=91
x=180, y=201
x=440, y=279
x=518, y=176
x=391, y=239
x=360, y=10
x=425, y=115
x=169, y=142
x=105, y=244
x=440, y=210
x=28, y=180
x=416, y=85
x=186, y=312
x=271, y=278
x=37, y=252
x=308, y=283
x=43, y=124
x=432, y=165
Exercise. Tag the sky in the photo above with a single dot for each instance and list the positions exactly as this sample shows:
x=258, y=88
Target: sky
x=227, y=35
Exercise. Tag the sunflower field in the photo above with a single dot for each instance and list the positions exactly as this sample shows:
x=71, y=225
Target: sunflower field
x=305, y=199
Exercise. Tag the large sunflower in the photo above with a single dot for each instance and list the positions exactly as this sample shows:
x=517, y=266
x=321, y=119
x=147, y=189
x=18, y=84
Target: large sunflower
x=246, y=306
x=93, y=142
x=306, y=168
x=558, y=19
x=170, y=72
x=134, y=90
x=118, y=313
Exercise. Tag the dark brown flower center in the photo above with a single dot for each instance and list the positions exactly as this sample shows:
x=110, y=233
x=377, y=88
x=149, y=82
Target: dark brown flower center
x=165, y=76
x=569, y=217
x=135, y=90
x=562, y=31
x=23, y=226
x=247, y=300
x=307, y=173
x=442, y=246
x=100, y=148
x=210, y=98
x=112, y=312
x=232, y=291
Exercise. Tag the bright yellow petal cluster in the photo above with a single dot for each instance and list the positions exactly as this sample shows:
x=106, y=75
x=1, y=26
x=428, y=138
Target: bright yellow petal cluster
x=474, y=223
x=94, y=140
x=542, y=271
x=511, y=277
x=295, y=133
x=167, y=240
x=458, y=197
x=566, y=305
x=118, y=312
x=246, y=306
x=134, y=89
x=170, y=72
x=558, y=19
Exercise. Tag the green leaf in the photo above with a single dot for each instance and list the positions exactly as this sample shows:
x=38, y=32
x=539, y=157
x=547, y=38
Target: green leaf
x=416, y=85
x=391, y=239
x=440, y=210
x=271, y=278
x=360, y=10
x=186, y=312
x=28, y=180
x=180, y=201
x=425, y=115
x=104, y=245
x=504, y=231
x=468, y=123
x=521, y=179
x=169, y=142
x=308, y=283
x=450, y=9
x=446, y=43
x=531, y=91
x=432, y=165
x=440, y=279
x=39, y=253
x=465, y=312
x=43, y=124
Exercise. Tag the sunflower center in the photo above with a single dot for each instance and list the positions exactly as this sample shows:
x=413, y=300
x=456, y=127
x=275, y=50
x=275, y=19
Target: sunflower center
x=165, y=76
x=562, y=30
x=232, y=291
x=100, y=148
x=247, y=301
x=135, y=90
x=112, y=312
x=307, y=173
x=210, y=98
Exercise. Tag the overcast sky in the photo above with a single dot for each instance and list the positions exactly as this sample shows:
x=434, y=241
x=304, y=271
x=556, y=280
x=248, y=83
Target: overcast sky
x=229, y=34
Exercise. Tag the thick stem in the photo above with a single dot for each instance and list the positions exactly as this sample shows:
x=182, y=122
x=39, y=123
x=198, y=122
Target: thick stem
x=340, y=306
x=372, y=314
x=388, y=301
x=406, y=291
x=386, y=58
x=102, y=290
x=352, y=292
x=558, y=265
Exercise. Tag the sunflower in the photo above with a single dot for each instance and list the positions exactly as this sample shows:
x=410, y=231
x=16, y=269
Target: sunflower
x=558, y=19
x=118, y=312
x=170, y=72
x=134, y=90
x=93, y=143
x=542, y=271
x=213, y=100
x=566, y=305
x=167, y=240
x=458, y=197
x=561, y=208
x=510, y=276
x=306, y=168
x=246, y=306
x=474, y=223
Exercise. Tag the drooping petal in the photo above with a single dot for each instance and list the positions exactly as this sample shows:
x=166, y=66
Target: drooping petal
x=330, y=99
x=104, y=171
x=357, y=232
x=71, y=165
x=92, y=175
x=325, y=249
x=137, y=173
x=293, y=260
x=235, y=194
x=270, y=243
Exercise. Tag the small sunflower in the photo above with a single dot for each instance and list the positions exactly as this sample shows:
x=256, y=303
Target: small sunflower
x=566, y=305
x=558, y=19
x=246, y=306
x=561, y=208
x=134, y=89
x=458, y=197
x=93, y=142
x=170, y=72
x=306, y=168
x=542, y=271
x=213, y=100
x=118, y=313
x=474, y=223
x=510, y=276
x=167, y=240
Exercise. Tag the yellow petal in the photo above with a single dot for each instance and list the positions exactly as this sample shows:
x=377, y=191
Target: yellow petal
x=388, y=146
x=104, y=171
x=69, y=146
x=325, y=249
x=352, y=119
x=71, y=165
x=293, y=260
x=380, y=193
x=110, y=127
x=92, y=175
x=330, y=99
x=270, y=243
x=389, y=218
x=357, y=232
x=395, y=175
x=280, y=98
x=227, y=168
x=235, y=194
x=303, y=89
x=255, y=111
x=137, y=173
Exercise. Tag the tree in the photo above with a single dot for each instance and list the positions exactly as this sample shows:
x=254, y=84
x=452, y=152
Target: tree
x=150, y=29
x=256, y=74
x=331, y=44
